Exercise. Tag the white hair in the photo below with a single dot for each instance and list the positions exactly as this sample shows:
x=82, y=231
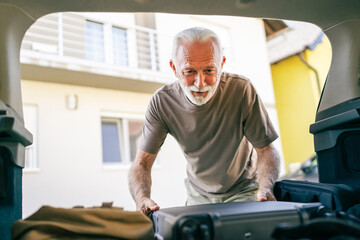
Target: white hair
x=195, y=34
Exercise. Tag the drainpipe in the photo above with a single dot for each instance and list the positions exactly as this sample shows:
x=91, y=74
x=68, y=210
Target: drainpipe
x=300, y=55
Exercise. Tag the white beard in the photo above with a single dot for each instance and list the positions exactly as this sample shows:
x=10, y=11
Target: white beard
x=198, y=100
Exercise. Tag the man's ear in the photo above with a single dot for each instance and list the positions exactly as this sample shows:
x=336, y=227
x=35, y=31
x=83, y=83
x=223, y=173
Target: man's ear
x=172, y=65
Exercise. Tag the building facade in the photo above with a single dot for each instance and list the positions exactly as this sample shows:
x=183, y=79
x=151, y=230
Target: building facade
x=300, y=60
x=86, y=82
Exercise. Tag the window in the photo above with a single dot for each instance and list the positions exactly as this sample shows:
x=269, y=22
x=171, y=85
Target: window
x=95, y=49
x=106, y=43
x=135, y=130
x=120, y=139
x=30, y=119
x=119, y=36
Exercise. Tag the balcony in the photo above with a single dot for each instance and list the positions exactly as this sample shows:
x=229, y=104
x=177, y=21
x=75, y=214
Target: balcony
x=68, y=48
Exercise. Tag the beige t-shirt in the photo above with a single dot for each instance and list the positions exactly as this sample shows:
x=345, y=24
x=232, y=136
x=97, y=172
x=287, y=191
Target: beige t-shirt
x=217, y=138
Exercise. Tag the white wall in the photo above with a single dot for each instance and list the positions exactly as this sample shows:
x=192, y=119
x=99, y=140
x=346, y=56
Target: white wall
x=69, y=152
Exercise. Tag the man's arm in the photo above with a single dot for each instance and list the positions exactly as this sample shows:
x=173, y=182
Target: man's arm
x=140, y=182
x=268, y=165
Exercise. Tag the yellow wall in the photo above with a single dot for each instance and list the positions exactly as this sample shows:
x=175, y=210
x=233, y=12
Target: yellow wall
x=297, y=97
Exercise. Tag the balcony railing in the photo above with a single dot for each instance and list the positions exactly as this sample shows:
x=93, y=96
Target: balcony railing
x=64, y=40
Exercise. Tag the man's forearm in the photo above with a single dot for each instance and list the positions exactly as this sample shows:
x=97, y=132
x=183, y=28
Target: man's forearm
x=140, y=181
x=268, y=165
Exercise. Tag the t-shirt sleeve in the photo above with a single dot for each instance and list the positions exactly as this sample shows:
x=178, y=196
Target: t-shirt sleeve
x=258, y=128
x=154, y=129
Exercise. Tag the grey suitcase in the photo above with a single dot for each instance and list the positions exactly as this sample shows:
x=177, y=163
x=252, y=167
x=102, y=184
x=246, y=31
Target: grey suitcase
x=235, y=220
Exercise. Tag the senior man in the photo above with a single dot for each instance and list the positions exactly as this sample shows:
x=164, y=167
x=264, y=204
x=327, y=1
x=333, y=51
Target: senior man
x=218, y=120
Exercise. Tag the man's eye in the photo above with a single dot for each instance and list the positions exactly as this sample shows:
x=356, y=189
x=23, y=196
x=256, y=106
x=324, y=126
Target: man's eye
x=188, y=72
x=209, y=71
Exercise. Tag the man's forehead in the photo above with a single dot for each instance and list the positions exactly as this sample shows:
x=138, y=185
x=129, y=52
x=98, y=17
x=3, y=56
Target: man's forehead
x=210, y=44
x=197, y=51
x=191, y=65
x=208, y=61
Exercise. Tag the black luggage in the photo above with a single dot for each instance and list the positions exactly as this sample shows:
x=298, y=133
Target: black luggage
x=337, y=143
x=324, y=228
x=337, y=197
x=235, y=220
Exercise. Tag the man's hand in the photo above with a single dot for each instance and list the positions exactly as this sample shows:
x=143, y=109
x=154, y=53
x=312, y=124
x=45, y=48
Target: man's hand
x=265, y=195
x=146, y=206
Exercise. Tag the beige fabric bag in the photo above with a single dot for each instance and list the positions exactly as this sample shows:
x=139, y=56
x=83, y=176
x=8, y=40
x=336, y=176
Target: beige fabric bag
x=83, y=223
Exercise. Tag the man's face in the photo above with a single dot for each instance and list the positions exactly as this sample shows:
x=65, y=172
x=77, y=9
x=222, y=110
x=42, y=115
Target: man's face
x=198, y=69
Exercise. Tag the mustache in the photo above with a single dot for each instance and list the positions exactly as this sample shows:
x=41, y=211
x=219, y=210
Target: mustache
x=196, y=89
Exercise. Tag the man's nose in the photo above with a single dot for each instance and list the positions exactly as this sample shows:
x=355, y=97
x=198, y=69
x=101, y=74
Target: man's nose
x=199, y=80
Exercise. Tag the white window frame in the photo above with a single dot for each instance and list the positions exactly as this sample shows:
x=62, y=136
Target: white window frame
x=31, y=152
